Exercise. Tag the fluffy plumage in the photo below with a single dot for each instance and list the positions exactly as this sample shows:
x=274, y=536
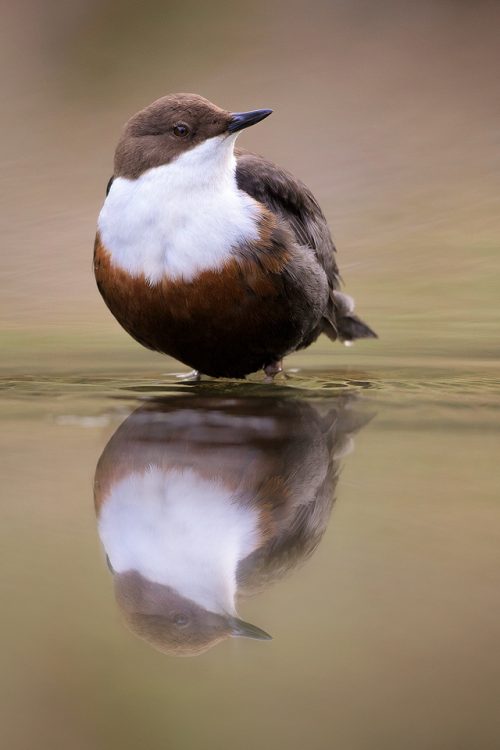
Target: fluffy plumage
x=220, y=259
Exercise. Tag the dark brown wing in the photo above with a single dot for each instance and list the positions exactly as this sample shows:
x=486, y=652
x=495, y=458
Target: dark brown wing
x=288, y=197
x=283, y=194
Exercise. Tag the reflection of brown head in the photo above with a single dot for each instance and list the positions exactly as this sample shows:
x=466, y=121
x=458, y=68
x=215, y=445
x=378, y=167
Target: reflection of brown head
x=277, y=460
x=170, y=622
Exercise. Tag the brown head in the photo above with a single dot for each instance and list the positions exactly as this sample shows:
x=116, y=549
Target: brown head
x=172, y=125
x=170, y=622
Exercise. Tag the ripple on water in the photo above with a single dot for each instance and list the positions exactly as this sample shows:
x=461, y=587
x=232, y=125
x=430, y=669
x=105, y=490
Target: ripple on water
x=459, y=389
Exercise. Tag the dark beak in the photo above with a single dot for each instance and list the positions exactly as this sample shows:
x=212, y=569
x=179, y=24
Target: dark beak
x=247, y=630
x=240, y=120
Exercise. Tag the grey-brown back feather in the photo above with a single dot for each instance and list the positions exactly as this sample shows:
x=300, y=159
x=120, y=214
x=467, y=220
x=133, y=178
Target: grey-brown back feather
x=288, y=197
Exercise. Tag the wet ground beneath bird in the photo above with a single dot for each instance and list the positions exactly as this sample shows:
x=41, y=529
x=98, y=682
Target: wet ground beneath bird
x=351, y=515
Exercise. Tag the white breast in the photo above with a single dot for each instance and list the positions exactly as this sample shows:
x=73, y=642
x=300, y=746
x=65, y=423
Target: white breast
x=181, y=218
x=180, y=530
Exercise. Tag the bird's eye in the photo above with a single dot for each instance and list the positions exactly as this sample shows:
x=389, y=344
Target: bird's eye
x=181, y=620
x=181, y=130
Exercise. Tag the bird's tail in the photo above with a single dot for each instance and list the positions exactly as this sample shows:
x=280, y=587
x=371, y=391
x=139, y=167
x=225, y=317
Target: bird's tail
x=344, y=324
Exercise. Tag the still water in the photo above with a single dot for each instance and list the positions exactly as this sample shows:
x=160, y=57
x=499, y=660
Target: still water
x=156, y=533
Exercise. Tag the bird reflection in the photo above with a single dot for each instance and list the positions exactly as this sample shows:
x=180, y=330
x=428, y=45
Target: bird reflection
x=201, y=500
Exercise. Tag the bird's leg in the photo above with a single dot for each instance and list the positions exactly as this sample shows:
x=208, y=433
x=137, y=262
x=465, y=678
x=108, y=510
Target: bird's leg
x=193, y=377
x=273, y=369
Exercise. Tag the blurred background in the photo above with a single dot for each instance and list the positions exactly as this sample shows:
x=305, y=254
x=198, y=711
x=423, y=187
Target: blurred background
x=389, y=111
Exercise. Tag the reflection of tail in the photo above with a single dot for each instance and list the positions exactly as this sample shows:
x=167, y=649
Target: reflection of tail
x=300, y=525
x=345, y=325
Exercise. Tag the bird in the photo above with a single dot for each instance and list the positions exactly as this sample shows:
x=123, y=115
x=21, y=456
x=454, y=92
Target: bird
x=201, y=500
x=211, y=254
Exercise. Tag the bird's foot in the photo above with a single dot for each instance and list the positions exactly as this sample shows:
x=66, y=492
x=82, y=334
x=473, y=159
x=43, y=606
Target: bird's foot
x=191, y=377
x=273, y=369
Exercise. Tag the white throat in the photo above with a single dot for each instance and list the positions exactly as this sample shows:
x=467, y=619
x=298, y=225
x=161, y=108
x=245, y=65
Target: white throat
x=180, y=530
x=181, y=218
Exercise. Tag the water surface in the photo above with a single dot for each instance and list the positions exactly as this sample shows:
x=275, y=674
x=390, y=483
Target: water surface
x=375, y=565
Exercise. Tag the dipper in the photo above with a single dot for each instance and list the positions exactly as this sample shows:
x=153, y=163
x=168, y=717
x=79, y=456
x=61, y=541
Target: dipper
x=213, y=256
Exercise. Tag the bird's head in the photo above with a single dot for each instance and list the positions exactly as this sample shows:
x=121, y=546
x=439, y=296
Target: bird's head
x=172, y=623
x=177, y=124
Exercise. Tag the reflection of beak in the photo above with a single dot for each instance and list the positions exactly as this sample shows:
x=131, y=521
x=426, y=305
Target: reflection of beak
x=240, y=120
x=247, y=630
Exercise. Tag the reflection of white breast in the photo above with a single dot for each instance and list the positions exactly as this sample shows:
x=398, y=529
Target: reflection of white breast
x=180, y=530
